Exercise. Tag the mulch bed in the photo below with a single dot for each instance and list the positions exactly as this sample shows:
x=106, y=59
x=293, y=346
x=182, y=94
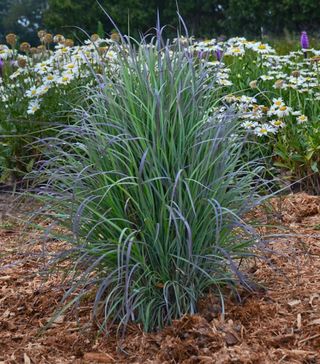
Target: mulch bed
x=279, y=325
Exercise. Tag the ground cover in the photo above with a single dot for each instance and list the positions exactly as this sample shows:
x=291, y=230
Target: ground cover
x=278, y=324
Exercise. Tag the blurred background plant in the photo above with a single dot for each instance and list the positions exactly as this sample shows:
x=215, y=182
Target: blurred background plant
x=24, y=18
x=206, y=18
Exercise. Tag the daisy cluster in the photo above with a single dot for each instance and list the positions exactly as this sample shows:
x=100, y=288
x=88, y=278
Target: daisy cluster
x=293, y=72
x=214, y=51
x=32, y=76
x=236, y=46
x=278, y=82
x=36, y=73
x=258, y=118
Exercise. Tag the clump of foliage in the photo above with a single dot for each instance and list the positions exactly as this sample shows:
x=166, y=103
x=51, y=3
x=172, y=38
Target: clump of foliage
x=152, y=186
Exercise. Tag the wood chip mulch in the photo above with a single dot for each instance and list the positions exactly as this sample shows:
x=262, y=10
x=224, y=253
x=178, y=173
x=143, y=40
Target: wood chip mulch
x=280, y=325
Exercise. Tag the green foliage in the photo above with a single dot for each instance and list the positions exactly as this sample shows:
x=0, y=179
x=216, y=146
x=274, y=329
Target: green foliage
x=205, y=18
x=253, y=17
x=100, y=30
x=152, y=187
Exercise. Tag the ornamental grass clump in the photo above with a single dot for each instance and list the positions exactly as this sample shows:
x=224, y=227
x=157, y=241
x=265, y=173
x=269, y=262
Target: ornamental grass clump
x=153, y=187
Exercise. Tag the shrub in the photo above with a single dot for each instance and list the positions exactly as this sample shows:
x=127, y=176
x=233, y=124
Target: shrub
x=153, y=187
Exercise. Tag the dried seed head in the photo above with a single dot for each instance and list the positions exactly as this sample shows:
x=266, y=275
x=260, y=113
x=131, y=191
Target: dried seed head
x=11, y=39
x=41, y=48
x=94, y=37
x=295, y=73
x=183, y=41
x=48, y=38
x=33, y=50
x=25, y=47
x=59, y=38
x=253, y=84
x=102, y=50
x=69, y=42
x=279, y=84
x=115, y=37
x=22, y=62
x=41, y=34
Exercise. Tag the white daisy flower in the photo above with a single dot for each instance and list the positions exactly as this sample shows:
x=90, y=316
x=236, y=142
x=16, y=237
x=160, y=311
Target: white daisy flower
x=65, y=79
x=278, y=123
x=283, y=111
x=302, y=119
x=264, y=129
x=248, y=124
x=278, y=102
x=32, y=92
x=33, y=106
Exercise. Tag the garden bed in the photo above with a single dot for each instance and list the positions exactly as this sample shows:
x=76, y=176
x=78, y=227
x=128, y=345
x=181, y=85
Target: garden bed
x=281, y=324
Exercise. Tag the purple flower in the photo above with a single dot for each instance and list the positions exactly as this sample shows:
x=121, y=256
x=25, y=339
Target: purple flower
x=304, y=40
x=201, y=54
x=1, y=66
x=218, y=54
